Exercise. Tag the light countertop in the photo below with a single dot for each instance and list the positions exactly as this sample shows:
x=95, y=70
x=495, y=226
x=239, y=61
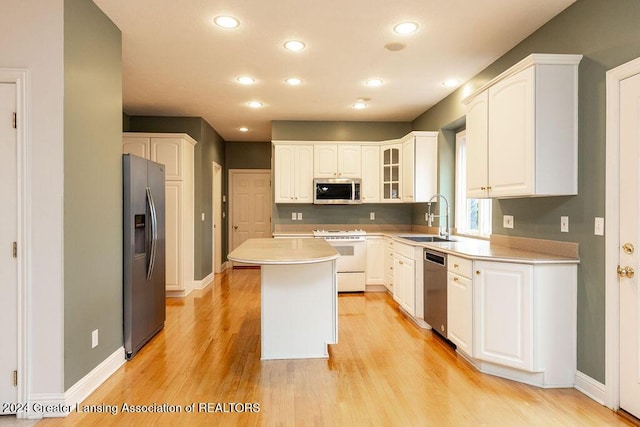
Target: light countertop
x=465, y=247
x=284, y=251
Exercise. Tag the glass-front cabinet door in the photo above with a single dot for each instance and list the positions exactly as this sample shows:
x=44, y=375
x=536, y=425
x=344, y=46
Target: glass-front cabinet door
x=391, y=184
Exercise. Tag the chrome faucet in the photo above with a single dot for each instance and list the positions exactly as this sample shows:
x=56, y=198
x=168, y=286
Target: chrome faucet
x=447, y=232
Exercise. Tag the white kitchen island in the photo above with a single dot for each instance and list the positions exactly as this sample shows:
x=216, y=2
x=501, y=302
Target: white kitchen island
x=299, y=295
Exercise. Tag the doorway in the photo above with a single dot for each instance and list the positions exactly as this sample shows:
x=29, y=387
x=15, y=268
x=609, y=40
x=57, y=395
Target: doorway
x=216, y=219
x=249, y=205
x=622, y=238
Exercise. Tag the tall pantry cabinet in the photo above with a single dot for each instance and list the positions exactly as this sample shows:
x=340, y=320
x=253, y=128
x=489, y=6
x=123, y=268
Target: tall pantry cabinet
x=176, y=152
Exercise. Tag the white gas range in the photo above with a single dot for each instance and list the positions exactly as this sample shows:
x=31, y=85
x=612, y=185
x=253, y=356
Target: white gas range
x=351, y=265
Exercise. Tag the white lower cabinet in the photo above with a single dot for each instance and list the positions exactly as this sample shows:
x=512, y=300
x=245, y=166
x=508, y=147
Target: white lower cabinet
x=460, y=304
x=404, y=277
x=375, y=271
x=388, y=264
x=504, y=314
x=524, y=317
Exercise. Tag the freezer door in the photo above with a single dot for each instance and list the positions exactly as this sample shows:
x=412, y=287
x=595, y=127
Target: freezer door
x=136, y=228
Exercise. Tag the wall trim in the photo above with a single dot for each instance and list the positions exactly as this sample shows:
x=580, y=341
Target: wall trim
x=98, y=375
x=201, y=284
x=21, y=78
x=62, y=404
x=590, y=387
x=612, y=230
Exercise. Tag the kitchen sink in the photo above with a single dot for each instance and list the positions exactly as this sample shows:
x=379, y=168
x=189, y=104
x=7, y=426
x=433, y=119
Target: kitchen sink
x=423, y=239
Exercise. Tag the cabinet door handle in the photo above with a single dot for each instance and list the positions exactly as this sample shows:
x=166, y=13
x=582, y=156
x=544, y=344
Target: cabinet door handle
x=455, y=279
x=483, y=188
x=456, y=266
x=400, y=262
x=478, y=272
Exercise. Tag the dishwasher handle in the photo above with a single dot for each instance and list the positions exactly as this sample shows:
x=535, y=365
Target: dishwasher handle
x=435, y=257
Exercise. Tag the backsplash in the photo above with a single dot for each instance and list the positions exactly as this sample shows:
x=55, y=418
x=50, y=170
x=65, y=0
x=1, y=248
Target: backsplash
x=385, y=213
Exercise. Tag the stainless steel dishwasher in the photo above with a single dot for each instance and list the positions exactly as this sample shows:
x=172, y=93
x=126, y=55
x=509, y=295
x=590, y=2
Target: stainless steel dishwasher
x=435, y=290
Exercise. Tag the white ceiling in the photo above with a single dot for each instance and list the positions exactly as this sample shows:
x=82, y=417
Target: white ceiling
x=176, y=62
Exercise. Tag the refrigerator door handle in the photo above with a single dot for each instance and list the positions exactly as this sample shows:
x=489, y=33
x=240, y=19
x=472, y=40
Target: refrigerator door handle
x=154, y=233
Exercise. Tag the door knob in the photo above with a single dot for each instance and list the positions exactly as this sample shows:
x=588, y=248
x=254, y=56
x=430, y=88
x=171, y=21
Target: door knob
x=625, y=272
x=235, y=227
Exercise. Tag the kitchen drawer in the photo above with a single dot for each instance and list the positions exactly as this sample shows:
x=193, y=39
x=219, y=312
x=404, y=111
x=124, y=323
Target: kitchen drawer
x=461, y=266
x=403, y=249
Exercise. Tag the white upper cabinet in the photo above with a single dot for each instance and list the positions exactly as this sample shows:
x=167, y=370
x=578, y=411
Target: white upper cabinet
x=293, y=174
x=522, y=137
x=391, y=175
x=370, y=188
x=337, y=161
x=419, y=166
x=478, y=146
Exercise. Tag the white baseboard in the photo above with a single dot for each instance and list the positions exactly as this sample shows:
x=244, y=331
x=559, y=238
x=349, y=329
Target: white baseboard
x=90, y=382
x=590, y=387
x=47, y=405
x=201, y=284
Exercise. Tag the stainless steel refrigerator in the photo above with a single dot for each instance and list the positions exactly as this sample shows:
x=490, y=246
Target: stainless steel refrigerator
x=144, y=251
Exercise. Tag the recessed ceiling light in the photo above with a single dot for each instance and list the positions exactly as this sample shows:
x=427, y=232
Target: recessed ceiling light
x=294, y=45
x=293, y=81
x=246, y=80
x=254, y=104
x=359, y=105
x=244, y=129
x=373, y=82
x=406, y=28
x=226, y=21
x=451, y=83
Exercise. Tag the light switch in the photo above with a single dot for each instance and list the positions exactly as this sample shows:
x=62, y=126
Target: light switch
x=203, y=216
x=94, y=338
x=507, y=221
x=372, y=216
x=564, y=224
x=293, y=216
x=299, y=216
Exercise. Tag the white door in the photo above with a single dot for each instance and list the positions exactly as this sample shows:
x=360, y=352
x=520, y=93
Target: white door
x=250, y=208
x=216, y=220
x=8, y=235
x=629, y=235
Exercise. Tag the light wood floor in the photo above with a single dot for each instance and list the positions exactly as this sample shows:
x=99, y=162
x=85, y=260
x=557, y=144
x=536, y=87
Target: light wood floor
x=383, y=372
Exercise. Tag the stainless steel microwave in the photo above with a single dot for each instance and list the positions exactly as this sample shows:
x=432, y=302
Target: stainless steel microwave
x=336, y=191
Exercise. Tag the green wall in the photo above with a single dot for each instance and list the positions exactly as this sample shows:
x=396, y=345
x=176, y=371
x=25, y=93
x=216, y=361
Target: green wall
x=386, y=213
x=92, y=188
x=607, y=34
x=283, y=130
x=248, y=155
x=210, y=148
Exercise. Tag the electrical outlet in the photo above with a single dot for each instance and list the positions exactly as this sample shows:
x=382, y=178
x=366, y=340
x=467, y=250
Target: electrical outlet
x=372, y=216
x=564, y=224
x=299, y=216
x=507, y=221
x=94, y=339
x=293, y=216
x=599, y=227
x=426, y=216
x=203, y=216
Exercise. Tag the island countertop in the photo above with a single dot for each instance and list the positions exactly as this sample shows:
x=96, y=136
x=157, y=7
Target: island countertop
x=283, y=251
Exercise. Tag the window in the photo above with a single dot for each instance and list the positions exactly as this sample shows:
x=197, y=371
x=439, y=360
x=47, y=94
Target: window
x=473, y=216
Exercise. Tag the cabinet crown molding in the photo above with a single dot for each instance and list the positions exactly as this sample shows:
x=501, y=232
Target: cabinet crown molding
x=533, y=59
x=185, y=136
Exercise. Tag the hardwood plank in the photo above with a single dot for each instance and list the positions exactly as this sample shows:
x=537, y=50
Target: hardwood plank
x=383, y=372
